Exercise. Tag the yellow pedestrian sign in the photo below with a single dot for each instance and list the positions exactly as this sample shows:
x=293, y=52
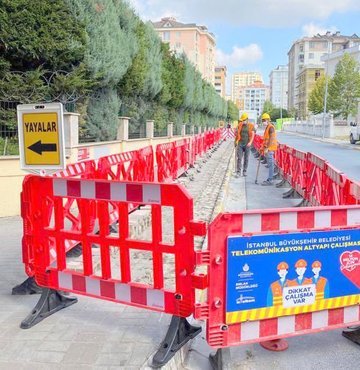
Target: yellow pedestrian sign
x=41, y=135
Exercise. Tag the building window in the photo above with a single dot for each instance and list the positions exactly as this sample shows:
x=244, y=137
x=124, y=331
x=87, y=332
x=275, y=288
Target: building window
x=178, y=34
x=301, y=58
x=166, y=36
x=311, y=45
x=311, y=55
x=178, y=45
x=317, y=74
x=302, y=48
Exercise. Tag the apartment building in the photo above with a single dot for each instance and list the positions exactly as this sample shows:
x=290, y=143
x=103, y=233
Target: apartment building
x=220, y=80
x=195, y=41
x=279, y=86
x=255, y=96
x=239, y=82
x=310, y=51
x=306, y=81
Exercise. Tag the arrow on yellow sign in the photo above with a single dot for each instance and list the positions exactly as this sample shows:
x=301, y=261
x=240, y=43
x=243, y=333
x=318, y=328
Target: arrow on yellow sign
x=39, y=147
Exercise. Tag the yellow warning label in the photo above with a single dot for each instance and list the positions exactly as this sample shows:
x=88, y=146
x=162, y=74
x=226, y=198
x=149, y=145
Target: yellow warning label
x=41, y=138
x=278, y=311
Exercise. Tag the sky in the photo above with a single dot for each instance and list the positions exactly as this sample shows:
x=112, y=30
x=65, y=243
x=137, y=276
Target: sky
x=256, y=35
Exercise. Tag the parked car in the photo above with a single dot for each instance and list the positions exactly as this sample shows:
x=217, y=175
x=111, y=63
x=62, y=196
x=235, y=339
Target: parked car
x=354, y=132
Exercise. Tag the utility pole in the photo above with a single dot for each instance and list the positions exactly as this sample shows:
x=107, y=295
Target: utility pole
x=326, y=89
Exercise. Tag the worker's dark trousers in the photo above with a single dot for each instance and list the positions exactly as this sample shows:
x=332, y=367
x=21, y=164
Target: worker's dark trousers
x=242, y=151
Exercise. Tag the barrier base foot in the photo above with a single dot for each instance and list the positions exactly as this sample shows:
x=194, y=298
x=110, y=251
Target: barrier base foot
x=303, y=203
x=282, y=184
x=29, y=286
x=221, y=359
x=276, y=345
x=353, y=335
x=50, y=302
x=178, y=334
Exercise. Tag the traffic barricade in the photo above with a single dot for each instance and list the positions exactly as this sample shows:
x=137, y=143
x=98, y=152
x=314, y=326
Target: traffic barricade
x=298, y=172
x=181, y=162
x=335, y=191
x=99, y=277
x=145, y=164
x=165, y=158
x=120, y=167
x=353, y=191
x=82, y=170
x=315, y=175
x=278, y=273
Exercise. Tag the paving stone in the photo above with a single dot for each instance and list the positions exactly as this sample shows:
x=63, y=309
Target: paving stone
x=83, y=353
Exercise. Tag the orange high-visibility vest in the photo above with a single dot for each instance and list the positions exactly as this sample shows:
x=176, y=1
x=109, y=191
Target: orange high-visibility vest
x=239, y=128
x=320, y=288
x=277, y=290
x=270, y=141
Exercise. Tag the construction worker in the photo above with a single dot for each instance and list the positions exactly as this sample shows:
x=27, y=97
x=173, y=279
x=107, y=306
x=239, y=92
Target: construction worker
x=275, y=296
x=322, y=284
x=300, y=268
x=269, y=147
x=244, y=137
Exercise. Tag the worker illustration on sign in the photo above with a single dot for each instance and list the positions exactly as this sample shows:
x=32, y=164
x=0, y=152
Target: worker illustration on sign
x=275, y=296
x=300, y=268
x=322, y=284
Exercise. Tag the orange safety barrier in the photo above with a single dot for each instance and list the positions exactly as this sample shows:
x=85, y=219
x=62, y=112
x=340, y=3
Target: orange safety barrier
x=165, y=162
x=121, y=166
x=335, y=190
x=145, y=164
x=97, y=275
x=315, y=176
x=298, y=172
x=237, y=277
x=82, y=170
x=181, y=162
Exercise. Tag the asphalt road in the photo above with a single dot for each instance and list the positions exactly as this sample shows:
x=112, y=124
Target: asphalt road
x=345, y=157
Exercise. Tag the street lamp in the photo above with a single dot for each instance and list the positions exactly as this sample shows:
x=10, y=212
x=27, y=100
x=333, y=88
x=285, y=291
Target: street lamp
x=326, y=89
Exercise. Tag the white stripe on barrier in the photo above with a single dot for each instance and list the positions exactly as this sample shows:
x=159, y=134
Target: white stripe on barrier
x=87, y=189
x=320, y=319
x=351, y=314
x=122, y=292
x=288, y=221
x=353, y=216
x=65, y=280
x=250, y=330
x=286, y=324
x=251, y=223
x=60, y=187
x=155, y=298
x=117, y=191
x=322, y=219
x=151, y=194
x=92, y=286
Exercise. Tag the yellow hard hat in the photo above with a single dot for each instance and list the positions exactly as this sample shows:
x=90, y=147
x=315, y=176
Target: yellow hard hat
x=265, y=116
x=244, y=117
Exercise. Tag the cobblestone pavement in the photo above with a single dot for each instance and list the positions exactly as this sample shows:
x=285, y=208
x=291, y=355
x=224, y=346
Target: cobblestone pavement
x=92, y=334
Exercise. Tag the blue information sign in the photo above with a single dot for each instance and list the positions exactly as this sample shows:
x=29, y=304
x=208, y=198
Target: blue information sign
x=282, y=274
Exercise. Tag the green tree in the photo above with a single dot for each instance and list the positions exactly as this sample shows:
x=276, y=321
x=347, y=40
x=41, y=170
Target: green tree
x=316, y=98
x=344, y=89
x=40, y=33
x=232, y=111
x=268, y=107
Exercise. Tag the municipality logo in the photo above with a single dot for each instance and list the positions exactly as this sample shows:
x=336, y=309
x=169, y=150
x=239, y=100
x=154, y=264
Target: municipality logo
x=246, y=273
